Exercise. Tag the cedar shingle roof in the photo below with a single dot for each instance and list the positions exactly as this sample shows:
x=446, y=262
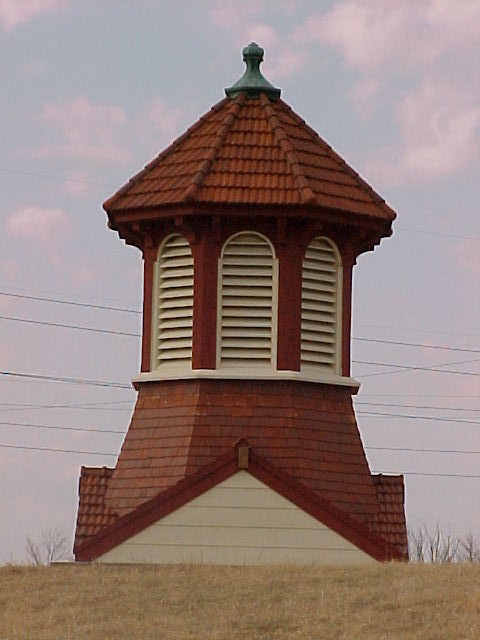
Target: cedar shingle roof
x=250, y=151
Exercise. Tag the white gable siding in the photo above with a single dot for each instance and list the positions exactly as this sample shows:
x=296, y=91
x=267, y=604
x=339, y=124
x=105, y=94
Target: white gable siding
x=239, y=521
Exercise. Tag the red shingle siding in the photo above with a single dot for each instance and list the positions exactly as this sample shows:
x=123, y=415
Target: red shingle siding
x=307, y=430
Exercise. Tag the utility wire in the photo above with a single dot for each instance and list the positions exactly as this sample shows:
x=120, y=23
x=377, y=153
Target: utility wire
x=411, y=449
x=413, y=406
x=138, y=312
x=421, y=473
x=71, y=326
x=69, y=302
x=90, y=453
x=400, y=368
x=96, y=383
x=416, y=344
x=55, y=177
x=95, y=430
x=46, y=426
x=410, y=417
x=103, y=453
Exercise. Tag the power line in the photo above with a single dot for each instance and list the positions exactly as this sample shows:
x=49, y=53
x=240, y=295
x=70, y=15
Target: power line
x=103, y=453
x=96, y=383
x=94, y=406
x=416, y=395
x=417, y=344
x=55, y=177
x=90, y=453
x=410, y=417
x=436, y=233
x=117, y=431
x=400, y=368
x=414, y=406
x=46, y=426
x=425, y=473
x=417, y=330
x=70, y=326
x=69, y=302
x=138, y=312
x=421, y=450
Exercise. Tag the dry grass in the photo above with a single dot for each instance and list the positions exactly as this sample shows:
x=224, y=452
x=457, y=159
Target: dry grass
x=390, y=601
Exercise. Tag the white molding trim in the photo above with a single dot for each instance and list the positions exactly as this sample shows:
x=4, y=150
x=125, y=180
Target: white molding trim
x=246, y=374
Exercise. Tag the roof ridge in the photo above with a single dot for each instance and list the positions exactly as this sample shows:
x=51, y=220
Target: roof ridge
x=307, y=193
x=220, y=136
x=338, y=158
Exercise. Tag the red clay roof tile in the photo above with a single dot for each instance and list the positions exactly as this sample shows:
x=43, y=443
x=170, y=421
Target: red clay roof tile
x=93, y=513
x=389, y=522
x=250, y=150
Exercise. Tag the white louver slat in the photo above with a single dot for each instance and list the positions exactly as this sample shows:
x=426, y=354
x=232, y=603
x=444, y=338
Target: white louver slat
x=174, y=310
x=246, y=302
x=320, y=306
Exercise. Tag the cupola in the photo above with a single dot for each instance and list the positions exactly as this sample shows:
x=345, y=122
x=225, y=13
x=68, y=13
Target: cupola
x=249, y=225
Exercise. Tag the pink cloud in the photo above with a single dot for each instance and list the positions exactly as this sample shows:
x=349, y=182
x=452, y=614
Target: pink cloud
x=374, y=34
x=467, y=253
x=242, y=22
x=87, y=131
x=364, y=95
x=77, y=183
x=10, y=269
x=228, y=14
x=158, y=123
x=16, y=12
x=439, y=129
x=44, y=226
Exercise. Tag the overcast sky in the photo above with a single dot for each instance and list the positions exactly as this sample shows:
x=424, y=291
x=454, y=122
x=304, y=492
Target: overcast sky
x=94, y=89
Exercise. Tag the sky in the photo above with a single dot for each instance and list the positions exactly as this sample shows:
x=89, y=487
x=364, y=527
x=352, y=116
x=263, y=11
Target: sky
x=93, y=90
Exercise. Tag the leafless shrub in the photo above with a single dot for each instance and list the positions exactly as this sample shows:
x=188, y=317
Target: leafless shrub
x=470, y=548
x=437, y=547
x=51, y=547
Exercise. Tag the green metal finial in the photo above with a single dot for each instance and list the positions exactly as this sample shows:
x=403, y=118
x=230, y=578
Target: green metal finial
x=252, y=82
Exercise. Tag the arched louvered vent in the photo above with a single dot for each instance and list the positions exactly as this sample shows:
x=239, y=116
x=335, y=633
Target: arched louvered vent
x=321, y=299
x=174, y=302
x=246, y=306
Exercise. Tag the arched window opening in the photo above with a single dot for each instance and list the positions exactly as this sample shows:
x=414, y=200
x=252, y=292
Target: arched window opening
x=321, y=307
x=247, y=302
x=173, y=308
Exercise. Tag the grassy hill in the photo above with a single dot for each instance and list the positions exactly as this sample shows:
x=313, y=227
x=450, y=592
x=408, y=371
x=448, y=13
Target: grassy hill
x=389, y=601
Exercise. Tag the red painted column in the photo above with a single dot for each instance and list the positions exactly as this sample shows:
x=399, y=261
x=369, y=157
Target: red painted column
x=205, y=255
x=348, y=262
x=149, y=257
x=289, y=305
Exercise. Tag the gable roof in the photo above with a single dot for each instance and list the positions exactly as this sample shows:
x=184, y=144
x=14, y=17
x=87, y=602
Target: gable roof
x=250, y=150
x=169, y=500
